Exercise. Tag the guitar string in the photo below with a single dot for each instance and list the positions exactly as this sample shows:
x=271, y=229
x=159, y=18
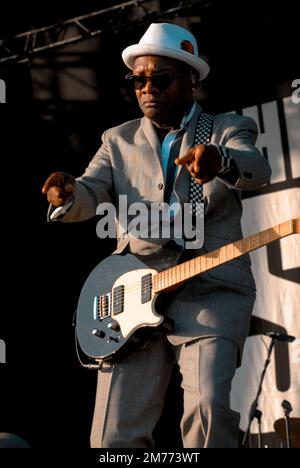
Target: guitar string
x=284, y=230
x=243, y=246
x=137, y=285
x=189, y=265
x=189, y=268
x=186, y=266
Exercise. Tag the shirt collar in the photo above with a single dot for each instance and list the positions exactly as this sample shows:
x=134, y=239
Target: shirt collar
x=188, y=116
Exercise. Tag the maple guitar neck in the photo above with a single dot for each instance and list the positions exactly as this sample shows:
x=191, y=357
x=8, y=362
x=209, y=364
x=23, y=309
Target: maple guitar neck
x=177, y=275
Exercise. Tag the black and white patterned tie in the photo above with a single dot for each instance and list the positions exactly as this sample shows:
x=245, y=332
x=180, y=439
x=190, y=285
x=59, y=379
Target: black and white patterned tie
x=202, y=136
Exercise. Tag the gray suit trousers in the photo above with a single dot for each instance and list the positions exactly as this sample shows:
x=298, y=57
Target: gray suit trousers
x=130, y=395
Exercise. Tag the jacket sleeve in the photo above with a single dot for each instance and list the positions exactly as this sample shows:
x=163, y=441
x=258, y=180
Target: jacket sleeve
x=93, y=187
x=236, y=136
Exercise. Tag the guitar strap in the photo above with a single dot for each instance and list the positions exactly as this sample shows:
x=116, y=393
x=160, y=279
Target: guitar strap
x=202, y=136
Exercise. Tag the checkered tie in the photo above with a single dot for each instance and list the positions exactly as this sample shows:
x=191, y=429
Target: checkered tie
x=202, y=136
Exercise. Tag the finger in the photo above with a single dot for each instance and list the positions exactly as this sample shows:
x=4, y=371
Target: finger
x=54, y=179
x=44, y=189
x=188, y=157
x=69, y=187
x=57, y=197
x=196, y=166
x=50, y=181
x=199, y=161
x=203, y=180
x=54, y=192
x=59, y=179
x=48, y=185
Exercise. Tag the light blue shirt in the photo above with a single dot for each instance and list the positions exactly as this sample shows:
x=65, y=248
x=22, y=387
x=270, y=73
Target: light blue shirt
x=170, y=137
x=167, y=145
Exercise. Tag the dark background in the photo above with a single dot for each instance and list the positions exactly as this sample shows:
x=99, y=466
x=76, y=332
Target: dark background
x=46, y=396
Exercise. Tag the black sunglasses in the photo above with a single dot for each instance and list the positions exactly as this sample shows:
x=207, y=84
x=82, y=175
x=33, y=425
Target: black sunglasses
x=160, y=81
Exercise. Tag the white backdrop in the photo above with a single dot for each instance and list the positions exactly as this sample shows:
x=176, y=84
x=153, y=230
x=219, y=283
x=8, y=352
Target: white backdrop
x=277, y=272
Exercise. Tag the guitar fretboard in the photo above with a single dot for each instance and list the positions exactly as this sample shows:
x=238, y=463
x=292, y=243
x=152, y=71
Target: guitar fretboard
x=180, y=273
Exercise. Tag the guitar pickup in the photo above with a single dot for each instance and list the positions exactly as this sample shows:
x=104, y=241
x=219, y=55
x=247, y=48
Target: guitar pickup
x=118, y=299
x=146, y=288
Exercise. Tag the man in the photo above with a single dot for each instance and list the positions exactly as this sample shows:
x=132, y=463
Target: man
x=211, y=313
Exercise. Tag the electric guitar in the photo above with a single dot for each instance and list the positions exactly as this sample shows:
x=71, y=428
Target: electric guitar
x=117, y=301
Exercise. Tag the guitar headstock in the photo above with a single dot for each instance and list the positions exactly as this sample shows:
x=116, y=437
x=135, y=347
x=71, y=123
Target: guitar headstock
x=296, y=225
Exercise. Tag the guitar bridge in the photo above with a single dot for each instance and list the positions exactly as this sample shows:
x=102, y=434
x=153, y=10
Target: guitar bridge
x=102, y=306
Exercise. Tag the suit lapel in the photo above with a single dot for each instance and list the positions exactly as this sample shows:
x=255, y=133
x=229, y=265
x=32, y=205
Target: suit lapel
x=152, y=138
x=182, y=180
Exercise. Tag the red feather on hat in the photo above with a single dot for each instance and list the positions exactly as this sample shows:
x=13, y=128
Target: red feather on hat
x=187, y=46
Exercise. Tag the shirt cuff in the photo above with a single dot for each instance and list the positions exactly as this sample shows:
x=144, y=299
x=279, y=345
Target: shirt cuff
x=226, y=160
x=60, y=211
x=229, y=172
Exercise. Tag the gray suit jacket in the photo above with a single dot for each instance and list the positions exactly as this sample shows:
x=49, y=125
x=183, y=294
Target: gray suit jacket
x=129, y=162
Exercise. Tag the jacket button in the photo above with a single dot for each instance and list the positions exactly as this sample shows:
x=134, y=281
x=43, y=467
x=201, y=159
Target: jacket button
x=160, y=186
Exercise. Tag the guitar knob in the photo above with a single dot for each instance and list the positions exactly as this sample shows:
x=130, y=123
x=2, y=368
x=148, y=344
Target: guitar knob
x=98, y=333
x=112, y=338
x=113, y=325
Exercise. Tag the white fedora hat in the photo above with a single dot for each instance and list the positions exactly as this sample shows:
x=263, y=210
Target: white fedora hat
x=168, y=40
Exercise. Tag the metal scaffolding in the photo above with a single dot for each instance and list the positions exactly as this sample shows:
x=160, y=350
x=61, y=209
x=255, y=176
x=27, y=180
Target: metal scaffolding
x=22, y=47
